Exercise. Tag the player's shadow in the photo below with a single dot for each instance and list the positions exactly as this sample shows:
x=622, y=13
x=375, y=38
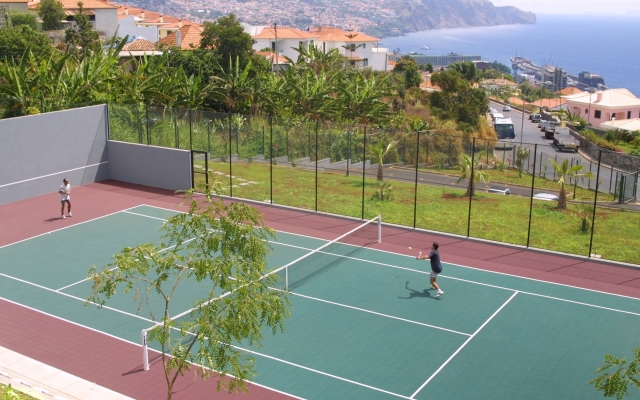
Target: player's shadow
x=415, y=293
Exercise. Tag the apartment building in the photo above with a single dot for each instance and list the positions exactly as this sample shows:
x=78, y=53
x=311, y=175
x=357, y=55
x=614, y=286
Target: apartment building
x=361, y=49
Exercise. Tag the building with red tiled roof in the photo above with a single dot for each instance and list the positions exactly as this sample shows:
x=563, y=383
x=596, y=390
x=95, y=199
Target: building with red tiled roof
x=187, y=37
x=20, y=5
x=137, y=48
x=360, y=48
x=133, y=21
x=102, y=14
x=278, y=63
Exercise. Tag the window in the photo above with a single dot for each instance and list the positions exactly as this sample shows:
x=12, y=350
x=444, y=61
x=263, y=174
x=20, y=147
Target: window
x=628, y=114
x=273, y=46
x=598, y=114
x=300, y=44
x=364, y=45
x=365, y=62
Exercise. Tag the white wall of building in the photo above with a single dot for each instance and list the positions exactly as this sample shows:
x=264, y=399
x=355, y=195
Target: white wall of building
x=106, y=21
x=127, y=26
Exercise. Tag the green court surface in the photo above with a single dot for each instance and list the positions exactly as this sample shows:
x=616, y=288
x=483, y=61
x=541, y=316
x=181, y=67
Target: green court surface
x=367, y=328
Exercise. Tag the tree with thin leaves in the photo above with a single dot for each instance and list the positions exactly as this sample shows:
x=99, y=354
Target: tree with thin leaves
x=467, y=171
x=51, y=12
x=563, y=173
x=625, y=373
x=522, y=155
x=82, y=38
x=216, y=250
x=379, y=151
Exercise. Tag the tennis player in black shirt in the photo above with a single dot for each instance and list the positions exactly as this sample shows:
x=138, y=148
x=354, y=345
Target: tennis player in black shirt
x=436, y=267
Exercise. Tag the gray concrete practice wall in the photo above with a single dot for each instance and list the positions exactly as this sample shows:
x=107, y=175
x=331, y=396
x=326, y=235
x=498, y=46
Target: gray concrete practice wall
x=38, y=151
x=149, y=165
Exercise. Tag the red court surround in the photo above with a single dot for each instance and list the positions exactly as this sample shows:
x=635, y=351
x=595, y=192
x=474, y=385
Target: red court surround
x=115, y=364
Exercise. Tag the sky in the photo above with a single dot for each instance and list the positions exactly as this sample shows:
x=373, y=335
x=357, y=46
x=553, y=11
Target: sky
x=573, y=6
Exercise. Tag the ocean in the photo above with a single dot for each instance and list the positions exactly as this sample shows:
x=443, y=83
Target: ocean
x=601, y=44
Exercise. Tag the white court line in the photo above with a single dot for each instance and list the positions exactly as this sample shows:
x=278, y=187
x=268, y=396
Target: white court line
x=75, y=297
x=123, y=340
x=55, y=173
x=463, y=345
x=240, y=348
x=66, y=227
x=375, y=313
x=84, y=280
x=323, y=373
x=142, y=215
x=473, y=282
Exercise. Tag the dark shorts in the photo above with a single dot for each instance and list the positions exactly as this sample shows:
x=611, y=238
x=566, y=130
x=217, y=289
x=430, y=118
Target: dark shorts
x=65, y=201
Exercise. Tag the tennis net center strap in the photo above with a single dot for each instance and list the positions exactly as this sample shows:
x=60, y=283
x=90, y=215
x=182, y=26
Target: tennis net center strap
x=319, y=260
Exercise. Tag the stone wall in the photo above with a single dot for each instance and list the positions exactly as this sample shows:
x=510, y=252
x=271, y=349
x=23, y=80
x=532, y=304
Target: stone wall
x=617, y=160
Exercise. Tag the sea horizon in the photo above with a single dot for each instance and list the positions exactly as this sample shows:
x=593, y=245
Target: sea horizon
x=601, y=44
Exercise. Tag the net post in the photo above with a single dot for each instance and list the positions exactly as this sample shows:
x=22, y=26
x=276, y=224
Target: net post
x=145, y=352
x=286, y=278
x=379, y=228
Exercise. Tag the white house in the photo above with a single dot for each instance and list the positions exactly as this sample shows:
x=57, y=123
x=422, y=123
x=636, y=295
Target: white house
x=20, y=5
x=283, y=40
x=360, y=48
x=624, y=125
x=604, y=106
x=128, y=25
x=103, y=15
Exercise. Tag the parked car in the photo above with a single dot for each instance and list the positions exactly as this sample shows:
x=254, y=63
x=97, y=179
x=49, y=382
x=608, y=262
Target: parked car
x=506, y=108
x=535, y=117
x=550, y=126
x=565, y=142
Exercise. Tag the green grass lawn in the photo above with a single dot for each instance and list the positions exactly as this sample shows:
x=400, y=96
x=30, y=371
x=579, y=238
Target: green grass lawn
x=7, y=393
x=445, y=209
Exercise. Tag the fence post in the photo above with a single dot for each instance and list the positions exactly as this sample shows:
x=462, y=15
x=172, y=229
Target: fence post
x=176, y=131
x=271, y=158
x=471, y=183
x=316, y=208
x=533, y=180
x=146, y=114
x=230, y=167
x=364, y=161
x=415, y=189
x=610, y=179
x=208, y=136
x=595, y=202
x=348, y=150
x=190, y=130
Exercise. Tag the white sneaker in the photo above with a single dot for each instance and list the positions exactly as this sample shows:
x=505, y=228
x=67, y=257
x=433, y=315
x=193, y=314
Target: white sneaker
x=440, y=293
x=69, y=215
x=63, y=217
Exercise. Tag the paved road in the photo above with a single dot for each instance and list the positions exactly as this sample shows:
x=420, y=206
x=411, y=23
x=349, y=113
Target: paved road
x=529, y=135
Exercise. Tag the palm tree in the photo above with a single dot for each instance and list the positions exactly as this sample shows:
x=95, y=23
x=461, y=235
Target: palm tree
x=378, y=152
x=466, y=168
x=351, y=47
x=563, y=172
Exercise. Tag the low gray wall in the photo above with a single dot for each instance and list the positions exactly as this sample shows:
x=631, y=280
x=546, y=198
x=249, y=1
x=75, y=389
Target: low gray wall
x=149, y=165
x=617, y=160
x=38, y=151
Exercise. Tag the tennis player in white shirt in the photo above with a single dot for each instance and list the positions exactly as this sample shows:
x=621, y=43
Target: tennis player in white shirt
x=65, y=197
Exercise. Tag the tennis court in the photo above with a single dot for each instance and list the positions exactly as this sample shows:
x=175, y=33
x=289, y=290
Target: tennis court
x=363, y=323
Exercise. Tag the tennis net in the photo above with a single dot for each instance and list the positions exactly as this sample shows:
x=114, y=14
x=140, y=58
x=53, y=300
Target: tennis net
x=329, y=255
x=295, y=273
